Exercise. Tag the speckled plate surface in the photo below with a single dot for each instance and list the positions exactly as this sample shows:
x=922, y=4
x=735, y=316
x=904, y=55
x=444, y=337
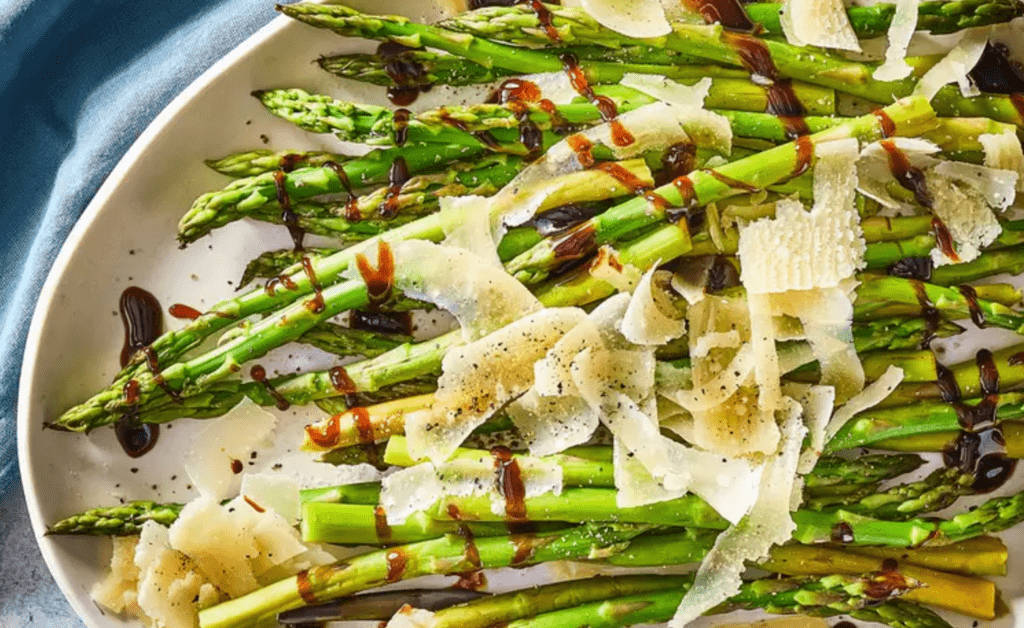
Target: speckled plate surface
x=126, y=237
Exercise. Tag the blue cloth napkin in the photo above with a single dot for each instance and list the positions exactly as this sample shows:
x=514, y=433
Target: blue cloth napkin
x=79, y=81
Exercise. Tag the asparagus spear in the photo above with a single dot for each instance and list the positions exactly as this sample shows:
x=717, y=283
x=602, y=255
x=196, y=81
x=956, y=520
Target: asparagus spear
x=642, y=599
x=447, y=555
x=254, y=162
x=814, y=599
x=344, y=341
x=934, y=16
x=440, y=69
x=318, y=113
x=275, y=263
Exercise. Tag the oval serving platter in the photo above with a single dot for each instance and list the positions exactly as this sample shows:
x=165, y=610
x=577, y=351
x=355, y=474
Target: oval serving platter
x=126, y=237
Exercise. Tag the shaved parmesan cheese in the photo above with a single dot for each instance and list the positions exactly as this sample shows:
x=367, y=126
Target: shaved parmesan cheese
x=168, y=582
x=822, y=23
x=715, y=340
x=221, y=443
x=769, y=523
x=1003, y=152
x=827, y=316
x=117, y=590
x=817, y=403
x=633, y=18
x=967, y=216
x=479, y=378
x=550, y=424
x=901, y=29
x=484, y=300
x=997, y=187
x=872, y=395
x=667, y=90
x=955, y=66
x=873, y=172
x=208, y=534
x=415, y=489
x=467, y=224
x=409, y=617
x=708, y=395
x=799, y=250
x=273, y=492
x=644, y=322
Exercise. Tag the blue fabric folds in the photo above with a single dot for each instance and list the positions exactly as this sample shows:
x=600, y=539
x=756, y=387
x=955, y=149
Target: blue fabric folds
x=79, y=81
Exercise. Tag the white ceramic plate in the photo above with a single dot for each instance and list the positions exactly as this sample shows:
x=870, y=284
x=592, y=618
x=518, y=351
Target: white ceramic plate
x=126, y=237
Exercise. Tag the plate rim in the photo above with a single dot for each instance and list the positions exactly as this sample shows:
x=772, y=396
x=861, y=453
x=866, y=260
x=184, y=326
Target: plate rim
x=48, y=292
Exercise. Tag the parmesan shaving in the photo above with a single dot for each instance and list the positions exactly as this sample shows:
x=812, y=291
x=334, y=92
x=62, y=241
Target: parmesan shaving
x=274, y=492
x=550, y=424
x=208, y=534
x=1003, y=152
x=872, y=395
x=901, y=30
x=822, y=23
x=479, y=378
x=483, y=301
x=644, y=322
x=554, y=86
x=817, y=403
x=955, y=66
x=768, y=523
x=221, y=443
x=467, y=225
x=117, y=591
x=633, y=18
x=965, y=213
x=168, y=581
x=997, y=187
x=667, y=90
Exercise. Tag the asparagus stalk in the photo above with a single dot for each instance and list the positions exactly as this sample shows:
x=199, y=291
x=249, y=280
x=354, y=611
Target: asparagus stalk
x=824, y=598
x=449, y=554
x=975, y=597
x=654, y=598
x=254, y=162
x=934, y=16
x=981, y=556
x=943, y=440
x=275, y=263
x=343, y=341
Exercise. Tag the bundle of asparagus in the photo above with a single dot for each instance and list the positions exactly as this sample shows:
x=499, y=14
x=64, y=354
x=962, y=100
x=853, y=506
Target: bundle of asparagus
x=621, y=174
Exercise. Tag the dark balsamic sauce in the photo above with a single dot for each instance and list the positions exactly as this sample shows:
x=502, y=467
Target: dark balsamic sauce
x=280, y=280
x=576, y=243
x=688, y=200
x=305, y=588
x=400, y=126
x=909, y=177
x=919, y=268
x=632, y=183
x=259, y=374
x=367, y=437
x=931, y=315
x=380, y=281
x=605, y=106
x=804, y=155
x=971, y=296
x=729, y=13
x=316, y=304
x=842, y=532
x=509, y=481
x=583, y=148
x=154, y=367
x=405, y=71
x=184, y=312
x=288, y=216
x=980, y=448
x=473, y=579
x=736, y=184
x=944, y=239
x=398, y=175
x=328, y=436
x=352, y=213
x=561, y=218
x=143, y=321
x=996, y=73
x=679, y=160
x=885, y=123
x=381, y=322
x=380, y=524
x=782, y=99
x=397, y=561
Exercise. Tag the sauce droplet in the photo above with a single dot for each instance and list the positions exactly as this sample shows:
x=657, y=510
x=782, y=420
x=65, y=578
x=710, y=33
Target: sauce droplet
x=142, y=318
